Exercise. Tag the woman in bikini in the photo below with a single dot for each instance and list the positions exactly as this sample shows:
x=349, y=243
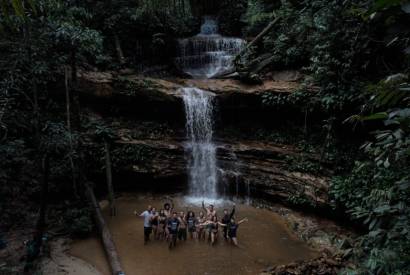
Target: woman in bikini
x=232, y=229
x=162, y=220
x=200, y=229
x=212, y=227
x=154, y=221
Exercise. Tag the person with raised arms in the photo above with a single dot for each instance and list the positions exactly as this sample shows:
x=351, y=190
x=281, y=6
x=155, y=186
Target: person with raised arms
x=226, y=219
x=210, y=211
x=147, y=215
x=233, y=229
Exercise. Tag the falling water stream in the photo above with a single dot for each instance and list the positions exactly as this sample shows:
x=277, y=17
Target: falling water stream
x=204, y=56
x=202, y=165
x=264, y=241
x=208, y=54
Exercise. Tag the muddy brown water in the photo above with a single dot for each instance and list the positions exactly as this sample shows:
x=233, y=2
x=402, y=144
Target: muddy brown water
x=264, y=241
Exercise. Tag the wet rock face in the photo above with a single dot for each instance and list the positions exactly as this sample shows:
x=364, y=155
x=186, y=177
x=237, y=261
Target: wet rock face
x=159, y=98
x=262, y=166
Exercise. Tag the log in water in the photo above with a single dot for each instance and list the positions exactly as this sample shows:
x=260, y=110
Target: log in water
x=264, y=241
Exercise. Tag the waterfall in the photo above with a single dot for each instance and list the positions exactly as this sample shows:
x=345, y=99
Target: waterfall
x=202, y=164
x=208, y=53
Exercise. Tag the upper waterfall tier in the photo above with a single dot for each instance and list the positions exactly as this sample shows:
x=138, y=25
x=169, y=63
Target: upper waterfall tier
x=208, y=53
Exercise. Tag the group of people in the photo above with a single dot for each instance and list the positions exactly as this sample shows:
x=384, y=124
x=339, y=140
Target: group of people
x=170, y=225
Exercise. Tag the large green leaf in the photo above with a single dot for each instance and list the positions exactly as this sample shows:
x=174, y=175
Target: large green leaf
x=376, y=116
x=18, y=7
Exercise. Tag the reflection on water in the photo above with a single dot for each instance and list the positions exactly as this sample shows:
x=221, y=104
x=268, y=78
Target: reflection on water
x=264, y=241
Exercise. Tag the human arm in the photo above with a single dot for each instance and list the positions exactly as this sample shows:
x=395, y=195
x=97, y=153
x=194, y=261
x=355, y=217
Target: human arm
x=205, y=223
x=222, y=224
x=203, y=207
x=232, y=212
x=141, y=215
x=243, y=220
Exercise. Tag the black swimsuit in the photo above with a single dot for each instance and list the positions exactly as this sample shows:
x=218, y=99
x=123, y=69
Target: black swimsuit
x=233, y=228
x=155, y=221
x=191, y=224
x=214, y=227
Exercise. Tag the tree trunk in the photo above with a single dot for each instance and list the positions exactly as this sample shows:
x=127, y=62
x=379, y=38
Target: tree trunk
x=76, y=117
x=261, y=34
x=34, y=246
x=68, y=121
x=108, y=243
x=67, y=100
x=118, y=49
x=108, y=172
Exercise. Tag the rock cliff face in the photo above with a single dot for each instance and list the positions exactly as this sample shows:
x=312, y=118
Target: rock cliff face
x=163, y=98
x=261, y=166
x=265, y=168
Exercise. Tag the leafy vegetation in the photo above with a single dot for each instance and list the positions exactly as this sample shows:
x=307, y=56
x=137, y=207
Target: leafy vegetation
x=356, y=58
x=354, y=55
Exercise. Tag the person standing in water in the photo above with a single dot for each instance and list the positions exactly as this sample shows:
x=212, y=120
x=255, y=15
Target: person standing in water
x=233, y=229
x=192, y=225
x=147, y=215
x=168, y=208
x=162, y=219
x=154, y=221
x=173, y=226
x=182, y=234
x=226, y=219
x=210, y=211
x=200, y=227
x=212, y=228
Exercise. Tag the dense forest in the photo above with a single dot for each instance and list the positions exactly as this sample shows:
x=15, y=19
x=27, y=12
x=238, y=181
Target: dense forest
x=350, y=108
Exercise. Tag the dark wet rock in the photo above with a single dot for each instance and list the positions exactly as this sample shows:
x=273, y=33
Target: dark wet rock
x=260, y=165
x=286, y=75
x=323, y=265
x=102, y=84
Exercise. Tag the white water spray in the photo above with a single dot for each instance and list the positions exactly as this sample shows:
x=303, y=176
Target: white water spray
x=202, y=164
x=208, y=54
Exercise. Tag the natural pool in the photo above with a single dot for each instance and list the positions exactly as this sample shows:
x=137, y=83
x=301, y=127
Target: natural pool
x=263, y=242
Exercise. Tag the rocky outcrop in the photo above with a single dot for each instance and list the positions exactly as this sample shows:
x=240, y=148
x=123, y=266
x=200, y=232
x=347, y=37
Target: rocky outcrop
x=151, y=96
x=266, y=169
x=106, y=84
x=261, y=166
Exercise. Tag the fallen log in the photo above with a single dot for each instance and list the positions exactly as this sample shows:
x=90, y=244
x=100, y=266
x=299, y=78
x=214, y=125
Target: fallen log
x=261, y=34
x=106, y=237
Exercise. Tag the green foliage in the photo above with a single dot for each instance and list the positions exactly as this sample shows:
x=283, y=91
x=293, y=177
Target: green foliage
x=130, y=154
x=332, y=41
x=379, y=197
x=229, y=15
x=78, y=221
x=301, y=164
x=377, y=191
x=165, y=16
x=300, y=199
